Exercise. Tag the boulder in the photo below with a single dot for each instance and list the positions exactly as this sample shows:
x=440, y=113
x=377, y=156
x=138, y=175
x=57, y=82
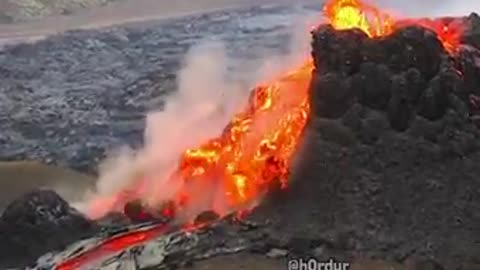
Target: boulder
x=37, y=223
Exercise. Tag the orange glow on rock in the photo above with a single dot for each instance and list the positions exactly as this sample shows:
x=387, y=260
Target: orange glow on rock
x=255, y=149
x=350, y=14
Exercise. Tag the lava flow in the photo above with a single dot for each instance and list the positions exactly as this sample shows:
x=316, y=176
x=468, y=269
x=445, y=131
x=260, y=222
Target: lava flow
x=111, y=246
x=256, y=148
x=234, y=170
x=254, y=151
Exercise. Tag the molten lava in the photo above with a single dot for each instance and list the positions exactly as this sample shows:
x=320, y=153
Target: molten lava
x=112, y=246
x=255, y=149
x=348, y=14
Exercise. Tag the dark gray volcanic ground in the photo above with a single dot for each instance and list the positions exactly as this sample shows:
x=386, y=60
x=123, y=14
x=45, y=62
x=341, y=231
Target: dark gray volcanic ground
x=70, y=97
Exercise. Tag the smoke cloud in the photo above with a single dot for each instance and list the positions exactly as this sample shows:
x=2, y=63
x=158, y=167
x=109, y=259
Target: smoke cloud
x=202, y=106
x=199, y=110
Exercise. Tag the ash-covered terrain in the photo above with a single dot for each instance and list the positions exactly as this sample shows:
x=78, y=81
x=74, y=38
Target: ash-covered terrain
x=387, y=168
x=69, y=98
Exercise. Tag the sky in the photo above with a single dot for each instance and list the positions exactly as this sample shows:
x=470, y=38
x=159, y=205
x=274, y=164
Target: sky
x=432, y=8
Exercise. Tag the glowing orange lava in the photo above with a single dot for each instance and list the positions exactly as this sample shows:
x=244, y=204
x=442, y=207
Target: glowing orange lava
x=348, y=14
x=112, y=246
x=256, y=148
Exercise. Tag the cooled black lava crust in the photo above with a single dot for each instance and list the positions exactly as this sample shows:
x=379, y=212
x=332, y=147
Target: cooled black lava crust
x=389, y=162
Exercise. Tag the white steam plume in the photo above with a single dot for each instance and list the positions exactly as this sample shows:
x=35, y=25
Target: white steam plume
x=205, y=101
x=200, y=109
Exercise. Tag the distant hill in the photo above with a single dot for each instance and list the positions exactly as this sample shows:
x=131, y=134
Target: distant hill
x=26, y=10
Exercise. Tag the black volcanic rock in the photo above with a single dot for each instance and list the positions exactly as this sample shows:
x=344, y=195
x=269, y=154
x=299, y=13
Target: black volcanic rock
x=472, y=33
x=407, y=73
x=408, y=187
x=413, y=47
x=434, y=101
x=373, y=85
x=347, y=46
x=206, y=217
x=400, y=107
x=114, y=220
x=334, y=95
x=344, y=51
x=39, y=222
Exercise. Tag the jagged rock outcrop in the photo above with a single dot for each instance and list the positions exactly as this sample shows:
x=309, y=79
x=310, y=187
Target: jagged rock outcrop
x=39, y=222
x=406, y=74
x=472, y=33
x=406, y=106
